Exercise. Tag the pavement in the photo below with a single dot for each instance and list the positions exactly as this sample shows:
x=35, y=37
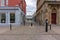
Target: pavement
x=31, y=33
x=4, y=29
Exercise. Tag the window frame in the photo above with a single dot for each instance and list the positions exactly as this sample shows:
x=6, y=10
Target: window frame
x=2, y=18
x=12, y=18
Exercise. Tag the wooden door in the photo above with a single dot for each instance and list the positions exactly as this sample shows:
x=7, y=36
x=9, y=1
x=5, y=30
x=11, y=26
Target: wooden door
x=53, y=18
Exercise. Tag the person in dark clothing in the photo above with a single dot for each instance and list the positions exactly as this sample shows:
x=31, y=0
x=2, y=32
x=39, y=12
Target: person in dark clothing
x=46, y=29
x=31, y=24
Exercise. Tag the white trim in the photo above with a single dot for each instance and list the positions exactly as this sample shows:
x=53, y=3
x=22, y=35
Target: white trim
x=5, y=7
x=7, y=17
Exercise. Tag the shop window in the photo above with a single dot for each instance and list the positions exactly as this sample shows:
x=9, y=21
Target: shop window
x=12, y=18
x=3, y=18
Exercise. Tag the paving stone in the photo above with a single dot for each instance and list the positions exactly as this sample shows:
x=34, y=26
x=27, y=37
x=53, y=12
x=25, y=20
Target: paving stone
x=31, y=33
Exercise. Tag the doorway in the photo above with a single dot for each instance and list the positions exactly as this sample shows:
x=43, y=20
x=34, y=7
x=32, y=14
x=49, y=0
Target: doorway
x=53, y=18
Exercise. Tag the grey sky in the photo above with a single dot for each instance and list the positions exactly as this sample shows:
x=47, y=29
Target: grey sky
x=31, y=6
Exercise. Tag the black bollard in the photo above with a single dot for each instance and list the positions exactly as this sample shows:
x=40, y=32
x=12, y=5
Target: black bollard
x=10, y=27
x=24, y=23
x=31, y=24
x=50, y=26
x=46, y=25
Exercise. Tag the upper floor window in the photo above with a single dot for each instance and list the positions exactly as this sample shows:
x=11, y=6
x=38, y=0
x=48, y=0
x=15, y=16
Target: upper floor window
x=6, y=2
x=2, y=3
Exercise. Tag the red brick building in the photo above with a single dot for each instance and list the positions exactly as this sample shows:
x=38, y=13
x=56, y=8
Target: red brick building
x=20, y=3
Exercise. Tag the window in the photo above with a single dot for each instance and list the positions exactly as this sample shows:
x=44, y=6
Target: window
x=6, y=2
x=12, y=18
x=3, y=18
x=2, y=2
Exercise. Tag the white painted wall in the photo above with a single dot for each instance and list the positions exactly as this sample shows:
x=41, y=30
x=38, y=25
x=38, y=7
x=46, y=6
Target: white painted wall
x=18, y=17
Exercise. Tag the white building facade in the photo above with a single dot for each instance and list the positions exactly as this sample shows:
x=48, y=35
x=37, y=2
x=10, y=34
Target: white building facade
x=11, y=15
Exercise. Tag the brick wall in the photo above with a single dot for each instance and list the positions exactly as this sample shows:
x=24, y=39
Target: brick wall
x=20, y=3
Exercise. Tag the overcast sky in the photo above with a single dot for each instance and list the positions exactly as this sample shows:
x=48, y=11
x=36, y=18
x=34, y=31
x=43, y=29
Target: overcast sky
x=31, y=6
